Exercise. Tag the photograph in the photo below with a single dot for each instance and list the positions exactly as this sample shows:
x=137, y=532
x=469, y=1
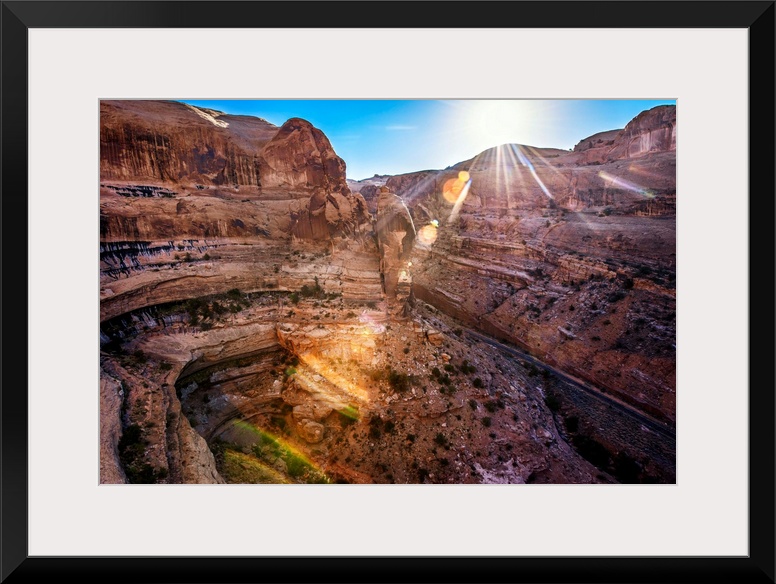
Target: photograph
x=387, y=291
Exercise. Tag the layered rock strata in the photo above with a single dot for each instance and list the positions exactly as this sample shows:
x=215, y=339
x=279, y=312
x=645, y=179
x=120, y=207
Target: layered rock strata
x=568, y=255
x=257, y=323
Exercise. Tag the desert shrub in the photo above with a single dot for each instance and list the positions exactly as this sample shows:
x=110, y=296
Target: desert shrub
x=486, y=421
x=398, y=381
x=131, y=448
x=616, y=296
x=467, y=368
x=296, y=466
x=477, y=382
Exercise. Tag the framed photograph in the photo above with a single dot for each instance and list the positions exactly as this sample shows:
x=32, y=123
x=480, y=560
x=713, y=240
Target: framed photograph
x=472, y=292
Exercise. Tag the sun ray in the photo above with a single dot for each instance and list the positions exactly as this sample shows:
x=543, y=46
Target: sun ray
x=627, y=185
x=528, y=164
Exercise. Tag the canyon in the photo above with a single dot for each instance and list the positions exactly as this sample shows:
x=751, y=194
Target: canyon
x=265, y=319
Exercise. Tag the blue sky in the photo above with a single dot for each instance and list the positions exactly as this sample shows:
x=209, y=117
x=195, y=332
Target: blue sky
x=394, y=137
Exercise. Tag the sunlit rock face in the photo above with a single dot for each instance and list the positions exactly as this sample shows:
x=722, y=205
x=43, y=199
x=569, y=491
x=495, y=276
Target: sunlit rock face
x=259, y=324
x=300, y=156
x=168, y=141
x=395, y=238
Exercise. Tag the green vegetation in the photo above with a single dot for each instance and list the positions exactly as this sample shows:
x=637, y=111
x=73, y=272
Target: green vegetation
x=465, y=367
x=311, y=291
x=131, y=449
x=348, y=415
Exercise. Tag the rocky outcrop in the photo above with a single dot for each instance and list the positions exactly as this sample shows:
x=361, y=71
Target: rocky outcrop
x=111, y=399
x=331, y=214
x=395, y=238
x=300, y=156
x=369, y=189
x=651, y=131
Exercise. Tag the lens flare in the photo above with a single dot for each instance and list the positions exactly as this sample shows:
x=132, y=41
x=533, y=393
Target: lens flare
x=452, y=189
x=459, y=202
x=252, y=470
x=463, y=176
x=343, y=385
x=529, y=165
x=299, y=466
x=627, y=185
x=428, y=234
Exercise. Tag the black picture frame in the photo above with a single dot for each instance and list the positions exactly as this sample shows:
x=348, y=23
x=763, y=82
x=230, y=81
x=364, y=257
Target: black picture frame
x=18, y=17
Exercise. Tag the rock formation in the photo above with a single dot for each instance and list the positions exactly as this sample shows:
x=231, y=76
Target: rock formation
x=262, y=323
x=395, y=239
x=569, y=255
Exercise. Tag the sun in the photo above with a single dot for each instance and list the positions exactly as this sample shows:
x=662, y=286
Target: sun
x=483, y=124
